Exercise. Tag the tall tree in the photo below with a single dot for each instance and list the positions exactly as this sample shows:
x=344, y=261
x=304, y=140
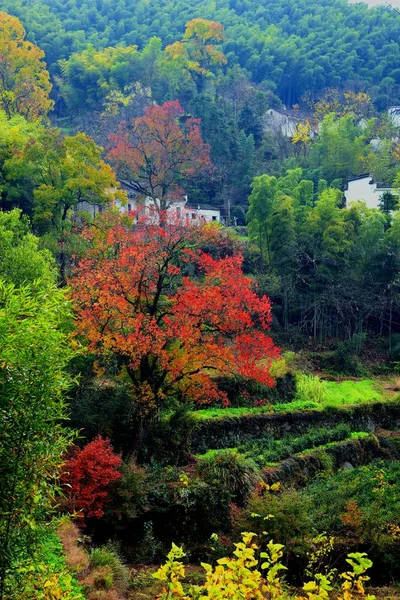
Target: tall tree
x=261, y=202
x=160, y=152
x=388, y=202
x=136, y=296
x=284, y=252
x=342, y=148
x=197, y=52
x=59, y=175
x=89, y=76
x=24, y=81
x=35, y=348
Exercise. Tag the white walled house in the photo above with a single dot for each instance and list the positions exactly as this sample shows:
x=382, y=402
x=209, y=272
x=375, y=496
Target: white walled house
x=179, y=208
x=204, y=212
x=278, y=121
x=364, y=188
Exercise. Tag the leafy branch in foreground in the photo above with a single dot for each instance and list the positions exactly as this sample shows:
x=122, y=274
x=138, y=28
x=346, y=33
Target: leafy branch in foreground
x=240, y=578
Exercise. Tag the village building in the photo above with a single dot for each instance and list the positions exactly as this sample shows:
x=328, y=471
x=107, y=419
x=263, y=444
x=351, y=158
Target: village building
x=366, y=189
x=278, y=121
x=179, y=208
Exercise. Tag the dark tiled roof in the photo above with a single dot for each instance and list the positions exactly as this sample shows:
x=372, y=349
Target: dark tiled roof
x=202, y=207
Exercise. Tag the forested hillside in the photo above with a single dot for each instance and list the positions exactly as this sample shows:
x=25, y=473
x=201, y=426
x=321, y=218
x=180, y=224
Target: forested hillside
x=294, y=47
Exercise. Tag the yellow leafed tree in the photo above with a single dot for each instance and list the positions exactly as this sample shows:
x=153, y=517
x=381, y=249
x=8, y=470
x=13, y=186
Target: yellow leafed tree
x=197, y=52
x=24, y=80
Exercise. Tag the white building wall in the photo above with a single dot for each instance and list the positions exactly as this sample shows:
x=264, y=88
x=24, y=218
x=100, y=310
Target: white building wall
x=394, y=114
x=207, y=214
x=366, y=191
x=177, y=210
x=276, y=121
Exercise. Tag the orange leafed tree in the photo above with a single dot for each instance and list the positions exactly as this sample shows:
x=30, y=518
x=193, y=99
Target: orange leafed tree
x=172, y=313
x=24, y=80
x=159, y=152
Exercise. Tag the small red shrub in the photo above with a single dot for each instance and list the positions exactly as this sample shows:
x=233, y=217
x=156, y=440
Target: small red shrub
x=89, y=473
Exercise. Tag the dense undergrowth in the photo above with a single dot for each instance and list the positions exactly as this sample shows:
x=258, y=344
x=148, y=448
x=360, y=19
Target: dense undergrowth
x=47, y=575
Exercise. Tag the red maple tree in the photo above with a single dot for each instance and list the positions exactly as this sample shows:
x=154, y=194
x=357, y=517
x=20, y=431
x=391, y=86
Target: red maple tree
x=174, y=314
x=89, y=474
x=159, y=152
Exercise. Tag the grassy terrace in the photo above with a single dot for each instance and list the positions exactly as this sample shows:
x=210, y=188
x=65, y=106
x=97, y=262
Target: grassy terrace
x=267, y=451
x=333, y=394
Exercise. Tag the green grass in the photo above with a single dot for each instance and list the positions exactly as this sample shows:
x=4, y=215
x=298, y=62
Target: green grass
x=351, y=392
x=344, y=393
x=217, y=413
x=267, y=451
x=357, y=435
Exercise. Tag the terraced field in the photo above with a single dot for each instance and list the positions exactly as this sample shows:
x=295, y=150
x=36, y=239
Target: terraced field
x=317, y=476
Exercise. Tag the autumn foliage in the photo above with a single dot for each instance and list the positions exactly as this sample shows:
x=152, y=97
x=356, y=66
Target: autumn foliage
x=174, y=314
x=197, y=52
x=24, y=81
x=89, y=473
x=159, y=152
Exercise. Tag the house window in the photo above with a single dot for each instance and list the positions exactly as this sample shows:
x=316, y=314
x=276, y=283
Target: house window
x=214, y=218
x=193, y=215
x=100, y=209
x=129, y=206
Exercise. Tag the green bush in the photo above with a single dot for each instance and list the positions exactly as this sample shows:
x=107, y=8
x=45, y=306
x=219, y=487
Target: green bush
x=154, y=505
x=46, y=570
x=236, y=474
x=168, y=440
x=243, y=392
x=362, y=504
x=110, y=565
x=285, y=515
x=309, y=388
x=103, y=407
x=345, y=358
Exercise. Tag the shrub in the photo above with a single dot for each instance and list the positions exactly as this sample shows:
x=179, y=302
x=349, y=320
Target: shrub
x=108, y=558
x=168, y=440
x=245, y=392
x=89, y=475
x=309, y=388
x=232, y=471
x=255, y=575
x=150, y=506
x=45, y=576
x=345, y=359
x=284, y=513
x=197, y=508
x=103, y=406
x=128, y=498
x=362, y=504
